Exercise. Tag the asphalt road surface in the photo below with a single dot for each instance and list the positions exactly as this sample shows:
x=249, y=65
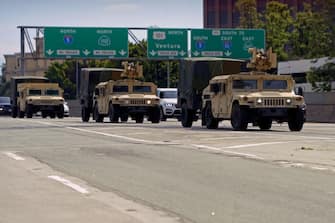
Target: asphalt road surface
x=168, y=172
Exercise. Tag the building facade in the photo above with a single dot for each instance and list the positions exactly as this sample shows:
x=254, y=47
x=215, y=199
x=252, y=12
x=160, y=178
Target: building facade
x=32, y=66
x=223, y=13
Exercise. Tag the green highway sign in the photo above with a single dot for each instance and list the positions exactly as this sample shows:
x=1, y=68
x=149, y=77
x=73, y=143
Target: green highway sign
x=80, y=42
x=167, y=43
x=229, y=43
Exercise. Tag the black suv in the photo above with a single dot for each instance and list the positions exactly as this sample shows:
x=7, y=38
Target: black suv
x=5, y=106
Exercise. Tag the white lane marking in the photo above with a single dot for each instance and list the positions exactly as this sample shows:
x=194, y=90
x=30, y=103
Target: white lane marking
x=14, y=156
x=248, y=155
x=118, y=136
x=319, y=168
x=253, y=145
x=69, y=184
x=49, y=123
x=297, y=165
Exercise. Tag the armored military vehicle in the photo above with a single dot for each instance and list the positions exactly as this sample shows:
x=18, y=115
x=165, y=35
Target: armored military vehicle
x=195, y=74
x=13, y=88
x=46, y=98
x=126, y=97
x=253, y=97
x=89, y=78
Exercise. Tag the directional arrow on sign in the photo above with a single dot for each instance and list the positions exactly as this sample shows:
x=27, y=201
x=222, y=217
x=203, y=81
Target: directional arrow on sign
x=153, y=53
x=196, y=53
x=227, y=53
x=50, y=52
x=86, y=52
x=182, y=53
x=122, y=52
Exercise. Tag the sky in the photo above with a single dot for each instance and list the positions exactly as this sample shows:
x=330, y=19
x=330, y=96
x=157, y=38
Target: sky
x=93, y=13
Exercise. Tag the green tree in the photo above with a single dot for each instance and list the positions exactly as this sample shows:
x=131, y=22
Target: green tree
x=277, y=23
x=61, y=73
x=321, y=77
x=311, y=35
x=249, y=17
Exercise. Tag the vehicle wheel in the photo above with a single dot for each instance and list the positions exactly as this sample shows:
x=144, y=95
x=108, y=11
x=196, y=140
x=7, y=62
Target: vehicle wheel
x=60, y=113
x=14, y=112
x=211, y=122
x=124, y=116
x=155, y=115
x=113, y=113
x=44, y=114
x=96, y=116
x=296, y=120
x=85, y=114
x=29, y=111
x=139, y=118
x=265, y=123
x=20, y=113
x=186, y=116
x=52, y=115
x=162, y=116
x=239, y=118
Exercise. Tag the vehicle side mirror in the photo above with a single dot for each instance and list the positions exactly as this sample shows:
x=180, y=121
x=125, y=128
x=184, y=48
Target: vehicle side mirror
x=299, y=91
x=96, y=92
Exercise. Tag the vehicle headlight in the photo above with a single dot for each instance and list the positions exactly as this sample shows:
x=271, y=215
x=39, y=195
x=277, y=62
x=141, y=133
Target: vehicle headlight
x=259, y=101
x=288, y=101
x=1, y=109
x=148, y=102
x=126, y=101
x=168, y=105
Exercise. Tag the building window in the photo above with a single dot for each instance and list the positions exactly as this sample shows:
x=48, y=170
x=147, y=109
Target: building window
x=224, y=18
x=211, y=18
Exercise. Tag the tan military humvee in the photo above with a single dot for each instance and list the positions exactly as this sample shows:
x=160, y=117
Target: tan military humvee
x=40, y=97
x=253, y=97
x=128, y=97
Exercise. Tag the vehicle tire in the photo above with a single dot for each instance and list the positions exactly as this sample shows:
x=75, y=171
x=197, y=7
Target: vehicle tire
x=44, y=114
x=124, y=117
x=20, y=113
x=211, y=122
x=239, y=119
x=85, y=114
x=296, y=120
x=60, y=113
x=14, y=112
x=96, y=116
x=162, y=116
x=52, y=115
x=29, y=111
x=114, y=113
x=155, y=115
x=139, y=118
x=186, y=116
x=265, y=123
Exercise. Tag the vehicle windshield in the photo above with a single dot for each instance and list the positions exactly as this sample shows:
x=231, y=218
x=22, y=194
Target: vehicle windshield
x=35, y=92
x=141, y=89
x=245, y=84
x=5, y=100
x=120, y=88
x=168, y=94
x=51, y=92
x=274, y=84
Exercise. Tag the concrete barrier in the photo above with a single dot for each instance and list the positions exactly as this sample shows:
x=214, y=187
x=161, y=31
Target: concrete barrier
x=320, y=107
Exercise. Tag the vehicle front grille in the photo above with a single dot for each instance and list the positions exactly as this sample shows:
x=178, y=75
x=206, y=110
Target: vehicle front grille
x=137, y=101
x=274, y=102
